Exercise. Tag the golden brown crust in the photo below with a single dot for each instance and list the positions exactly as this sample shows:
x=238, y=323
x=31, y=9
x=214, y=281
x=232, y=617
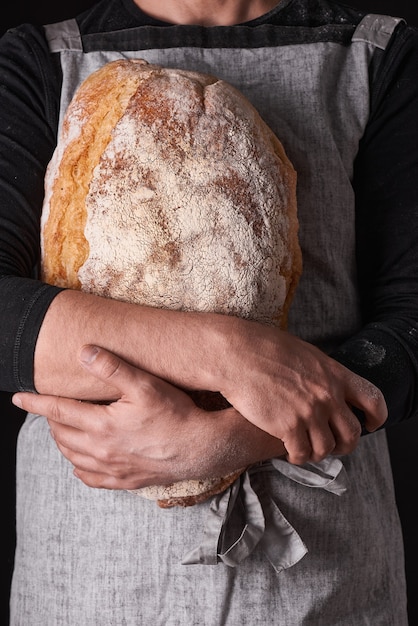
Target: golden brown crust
x=86, y=132
x=168, y=189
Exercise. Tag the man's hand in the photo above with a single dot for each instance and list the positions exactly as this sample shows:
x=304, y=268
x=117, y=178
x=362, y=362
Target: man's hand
x=153, y=434
x=295, y=392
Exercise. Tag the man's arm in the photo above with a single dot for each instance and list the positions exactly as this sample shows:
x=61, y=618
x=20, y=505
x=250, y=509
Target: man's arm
x=282, y=385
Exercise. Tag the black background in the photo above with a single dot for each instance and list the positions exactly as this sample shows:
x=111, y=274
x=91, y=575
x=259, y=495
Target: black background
x=403, y=439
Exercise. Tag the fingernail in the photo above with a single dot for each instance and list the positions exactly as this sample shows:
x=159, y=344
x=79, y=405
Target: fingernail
x=17, y=401
x=88, y=354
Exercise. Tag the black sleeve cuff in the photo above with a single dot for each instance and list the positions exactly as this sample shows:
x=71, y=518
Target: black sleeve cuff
x=378, y=354
x=24, y=304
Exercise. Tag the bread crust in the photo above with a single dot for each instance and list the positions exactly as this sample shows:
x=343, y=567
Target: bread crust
x=168, y=189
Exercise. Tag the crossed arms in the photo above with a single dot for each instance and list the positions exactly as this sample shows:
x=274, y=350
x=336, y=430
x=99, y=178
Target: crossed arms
x=135, y=424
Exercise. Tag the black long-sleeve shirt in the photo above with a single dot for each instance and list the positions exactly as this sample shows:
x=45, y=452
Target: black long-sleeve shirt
x=385, y=184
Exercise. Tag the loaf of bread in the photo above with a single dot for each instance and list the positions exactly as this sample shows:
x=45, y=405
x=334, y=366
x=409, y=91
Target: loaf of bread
x=167, y=189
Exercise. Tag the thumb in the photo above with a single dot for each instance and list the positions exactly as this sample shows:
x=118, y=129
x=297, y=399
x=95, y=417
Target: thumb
x=113, y=370
x=103, y=364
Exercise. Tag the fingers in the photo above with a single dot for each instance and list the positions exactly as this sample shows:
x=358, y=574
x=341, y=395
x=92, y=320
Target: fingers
x=363, y=395
x=312, y=442
x=107, y=481
x=63, y=410
x=346, y=430
x=298, y=446
x=96, y=472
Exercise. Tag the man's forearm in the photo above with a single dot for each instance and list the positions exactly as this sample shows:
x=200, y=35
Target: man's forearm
x=170, y=344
